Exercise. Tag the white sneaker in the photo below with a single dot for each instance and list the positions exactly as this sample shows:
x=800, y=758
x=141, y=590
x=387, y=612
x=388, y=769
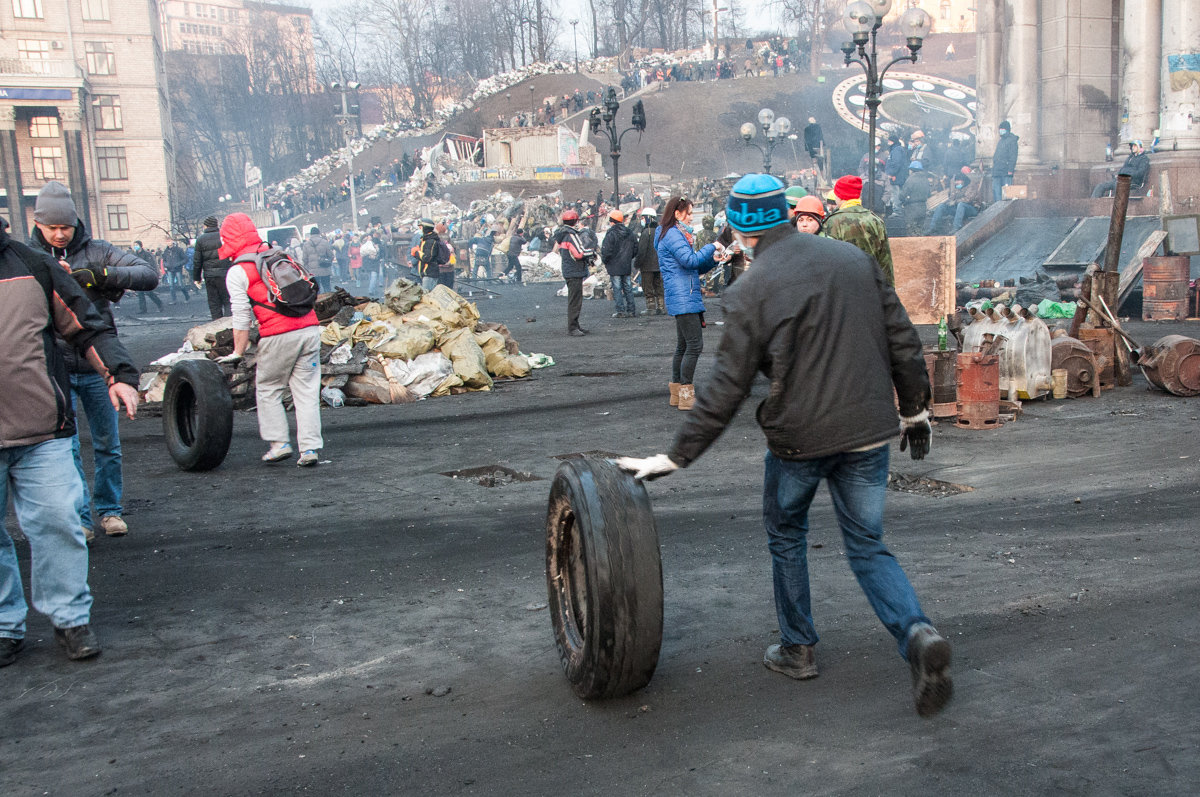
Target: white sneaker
x=307, y=459
x=277, y=452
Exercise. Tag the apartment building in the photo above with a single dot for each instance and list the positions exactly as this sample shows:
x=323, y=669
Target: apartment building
x=225, y=27
x=83, y=102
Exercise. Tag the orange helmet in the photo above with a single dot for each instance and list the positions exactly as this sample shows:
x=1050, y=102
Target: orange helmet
x=810, y=205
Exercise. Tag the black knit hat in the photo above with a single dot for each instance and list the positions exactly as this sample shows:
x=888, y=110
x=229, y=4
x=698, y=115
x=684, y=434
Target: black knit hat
x=211, y=223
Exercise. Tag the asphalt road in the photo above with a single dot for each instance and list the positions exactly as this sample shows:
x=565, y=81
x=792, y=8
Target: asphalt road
x=371, y=626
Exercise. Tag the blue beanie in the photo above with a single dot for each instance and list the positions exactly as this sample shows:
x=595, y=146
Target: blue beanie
x=756, y=203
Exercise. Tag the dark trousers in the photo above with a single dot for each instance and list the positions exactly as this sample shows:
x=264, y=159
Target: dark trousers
x=446, y=278
x=142, y=300
x=689, y=343
x=218, y=295
x=514, y=267
x=652, y=290
x=574, y=301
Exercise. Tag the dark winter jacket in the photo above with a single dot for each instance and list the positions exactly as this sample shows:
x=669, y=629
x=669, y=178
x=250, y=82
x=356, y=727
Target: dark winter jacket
x=818, y=319
x=576, y=258
x=647, y=255
x=681, y=269
x=1137, y=166
x=897, y=164
x=618, y=250
x=39, y=299
x=105, y=272
x=206, y=262
x=1004, y=159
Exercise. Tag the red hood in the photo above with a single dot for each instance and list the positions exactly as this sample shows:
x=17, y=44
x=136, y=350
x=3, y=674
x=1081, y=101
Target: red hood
x=238, y=236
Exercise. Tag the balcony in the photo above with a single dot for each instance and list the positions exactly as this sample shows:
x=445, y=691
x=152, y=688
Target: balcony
x=43, y=73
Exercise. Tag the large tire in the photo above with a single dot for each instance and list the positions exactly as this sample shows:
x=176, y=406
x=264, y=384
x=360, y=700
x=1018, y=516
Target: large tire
x=604, y=577
x=197, y=415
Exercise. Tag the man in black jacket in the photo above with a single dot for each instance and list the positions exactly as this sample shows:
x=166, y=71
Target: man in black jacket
x=1004, y=160
x=105, y=272
x=828, y=414
x=39, y=298
x=617, y=253
x=208, y=266
x=1137, y=166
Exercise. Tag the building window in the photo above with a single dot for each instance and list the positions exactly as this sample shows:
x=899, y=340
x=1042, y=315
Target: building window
x=106, y=112
x=95, y=10
x=33, y=49
x=118, y=217
x=945, y=8
x=27, y=9
x=111, y=161
x=100, y=58
x=43, y=127
x=47, y=163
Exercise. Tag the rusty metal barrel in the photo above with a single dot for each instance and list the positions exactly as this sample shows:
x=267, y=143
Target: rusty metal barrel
x=944, y=381
x=1173, y=364
x=1079, y=361
x=978, y=391
x=1165, y=287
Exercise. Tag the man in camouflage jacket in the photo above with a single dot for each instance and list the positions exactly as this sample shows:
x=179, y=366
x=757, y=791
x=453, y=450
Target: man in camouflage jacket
x=854, y=224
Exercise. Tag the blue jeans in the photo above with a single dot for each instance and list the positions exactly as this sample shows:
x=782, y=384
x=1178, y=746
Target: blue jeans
x=45, y=491
x=90, y=393
x=857, y=483
x=998, y=184
x=623, y=293
x=962, y=214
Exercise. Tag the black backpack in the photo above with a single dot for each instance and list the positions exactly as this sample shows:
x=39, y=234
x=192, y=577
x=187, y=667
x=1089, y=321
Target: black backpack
x=291, y=290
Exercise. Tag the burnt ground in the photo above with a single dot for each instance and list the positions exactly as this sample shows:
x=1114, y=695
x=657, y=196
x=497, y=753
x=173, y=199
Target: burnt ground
x=272, y=630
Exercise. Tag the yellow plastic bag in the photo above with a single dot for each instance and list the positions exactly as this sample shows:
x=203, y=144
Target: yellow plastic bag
x=406, y=342
x=468, y=359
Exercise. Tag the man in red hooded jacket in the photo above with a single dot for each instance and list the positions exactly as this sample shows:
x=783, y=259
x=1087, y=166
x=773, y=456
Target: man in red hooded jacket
x=289, y=348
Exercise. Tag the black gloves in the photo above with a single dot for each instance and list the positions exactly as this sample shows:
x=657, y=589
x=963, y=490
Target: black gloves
x=917, y=433
x=94, y=278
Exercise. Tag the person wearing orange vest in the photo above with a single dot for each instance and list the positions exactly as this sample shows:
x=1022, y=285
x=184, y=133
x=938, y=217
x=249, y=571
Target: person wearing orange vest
x=289, y=348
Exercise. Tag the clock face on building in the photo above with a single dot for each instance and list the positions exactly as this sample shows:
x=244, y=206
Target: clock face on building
x=908, y=101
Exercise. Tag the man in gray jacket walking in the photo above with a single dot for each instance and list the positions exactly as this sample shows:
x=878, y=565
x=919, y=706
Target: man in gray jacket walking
x=105, y=273
x=828, y=416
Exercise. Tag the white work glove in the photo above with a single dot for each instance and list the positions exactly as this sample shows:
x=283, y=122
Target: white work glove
x=649, y=468
x=229, y=358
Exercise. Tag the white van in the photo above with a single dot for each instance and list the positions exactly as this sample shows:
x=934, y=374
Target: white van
x=280, y=236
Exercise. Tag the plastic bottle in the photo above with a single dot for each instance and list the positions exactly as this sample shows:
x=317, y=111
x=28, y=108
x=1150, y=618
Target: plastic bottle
x=333, y=396
x=943, y=332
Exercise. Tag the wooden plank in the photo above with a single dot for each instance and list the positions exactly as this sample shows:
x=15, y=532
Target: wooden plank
x=1133, y=269
x=925, y=274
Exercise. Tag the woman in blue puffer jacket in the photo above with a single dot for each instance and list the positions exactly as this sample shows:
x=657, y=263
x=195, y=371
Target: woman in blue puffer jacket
x=681, y=268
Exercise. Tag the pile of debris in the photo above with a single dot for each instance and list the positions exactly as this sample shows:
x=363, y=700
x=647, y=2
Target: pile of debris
x=409, y=346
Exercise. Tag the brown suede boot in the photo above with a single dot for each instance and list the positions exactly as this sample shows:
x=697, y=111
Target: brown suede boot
x=674, y=388
x=687, y=396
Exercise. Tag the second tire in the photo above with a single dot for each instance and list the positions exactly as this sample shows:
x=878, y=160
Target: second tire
x=197, y=415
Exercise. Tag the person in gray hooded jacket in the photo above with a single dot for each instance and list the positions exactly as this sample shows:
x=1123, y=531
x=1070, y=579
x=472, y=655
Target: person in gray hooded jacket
x=105, y=273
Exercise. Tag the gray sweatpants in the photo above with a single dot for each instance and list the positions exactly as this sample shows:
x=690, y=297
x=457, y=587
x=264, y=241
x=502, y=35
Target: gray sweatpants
x=291, y=360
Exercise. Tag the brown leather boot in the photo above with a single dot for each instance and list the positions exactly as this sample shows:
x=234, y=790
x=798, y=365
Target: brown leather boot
x=687, y=396
x=674, y=388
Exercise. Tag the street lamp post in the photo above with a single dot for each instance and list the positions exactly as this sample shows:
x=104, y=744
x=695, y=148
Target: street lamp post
x=774, y=130
x=347, y=131
x=863, y=20
x=532, y=107
x=575, y=22
x=607, y=117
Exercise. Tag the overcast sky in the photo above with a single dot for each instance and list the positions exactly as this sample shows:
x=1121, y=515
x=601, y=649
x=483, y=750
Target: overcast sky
x=575, y=9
